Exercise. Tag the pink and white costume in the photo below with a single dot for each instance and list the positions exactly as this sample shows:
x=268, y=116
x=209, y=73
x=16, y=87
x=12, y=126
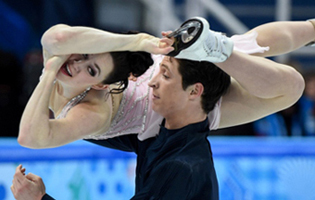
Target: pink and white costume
x=135, y=114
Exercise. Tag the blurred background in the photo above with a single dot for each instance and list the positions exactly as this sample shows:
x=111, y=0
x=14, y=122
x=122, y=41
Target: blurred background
x=272, y=158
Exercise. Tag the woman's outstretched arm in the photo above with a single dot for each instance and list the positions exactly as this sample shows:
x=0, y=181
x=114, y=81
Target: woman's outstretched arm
x=284, y=37
x=260, y=86
x=62, y=39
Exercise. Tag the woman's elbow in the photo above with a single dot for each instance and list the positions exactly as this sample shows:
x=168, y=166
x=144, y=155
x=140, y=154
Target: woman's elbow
x=299, y=85
x=55, y=36
x=26, y=140
x=23, y=140
x=296, y=89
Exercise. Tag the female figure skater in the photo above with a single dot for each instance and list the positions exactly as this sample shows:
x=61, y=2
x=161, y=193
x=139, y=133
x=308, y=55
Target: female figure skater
x=86, y=83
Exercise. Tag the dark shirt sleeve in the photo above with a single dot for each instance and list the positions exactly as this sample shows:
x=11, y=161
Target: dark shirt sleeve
x=47, y=197
x=127, y=143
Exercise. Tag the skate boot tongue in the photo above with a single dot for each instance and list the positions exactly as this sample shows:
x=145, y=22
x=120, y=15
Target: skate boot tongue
x=186, y=35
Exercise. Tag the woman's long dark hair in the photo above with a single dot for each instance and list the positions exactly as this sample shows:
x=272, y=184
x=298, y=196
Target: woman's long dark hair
x=126, y=63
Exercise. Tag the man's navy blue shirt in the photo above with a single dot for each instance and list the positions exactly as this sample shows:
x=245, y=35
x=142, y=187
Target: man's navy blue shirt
x=177, y=164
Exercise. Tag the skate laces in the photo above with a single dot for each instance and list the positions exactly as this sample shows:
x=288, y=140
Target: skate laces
x=214, y=45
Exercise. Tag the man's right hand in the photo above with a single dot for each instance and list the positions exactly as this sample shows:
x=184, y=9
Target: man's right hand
x=27, y=187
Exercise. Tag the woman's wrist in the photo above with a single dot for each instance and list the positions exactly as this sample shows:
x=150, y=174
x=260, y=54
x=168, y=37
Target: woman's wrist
x=140, y=44
x=312, y=21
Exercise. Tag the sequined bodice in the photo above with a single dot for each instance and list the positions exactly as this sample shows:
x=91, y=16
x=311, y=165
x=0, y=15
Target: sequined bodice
x=74, y=101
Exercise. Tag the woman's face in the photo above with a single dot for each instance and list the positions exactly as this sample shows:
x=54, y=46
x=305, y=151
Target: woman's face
x=85, y=70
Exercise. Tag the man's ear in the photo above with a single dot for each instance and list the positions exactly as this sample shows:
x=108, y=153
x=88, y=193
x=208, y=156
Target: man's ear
x=196, y=90
x=100, y=86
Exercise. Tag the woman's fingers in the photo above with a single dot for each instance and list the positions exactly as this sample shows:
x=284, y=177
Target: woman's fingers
x=166, y=33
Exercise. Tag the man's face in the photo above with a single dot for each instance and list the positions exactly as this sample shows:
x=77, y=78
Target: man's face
x=169, y=98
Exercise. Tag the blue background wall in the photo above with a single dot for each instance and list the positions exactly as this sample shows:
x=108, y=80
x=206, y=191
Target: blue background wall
x=247, y=169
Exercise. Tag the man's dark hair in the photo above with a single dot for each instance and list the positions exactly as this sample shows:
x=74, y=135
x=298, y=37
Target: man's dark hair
x=214, y=80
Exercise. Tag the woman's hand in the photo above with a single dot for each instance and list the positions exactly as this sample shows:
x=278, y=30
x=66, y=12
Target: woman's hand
x=54, y=63
x=155, y=45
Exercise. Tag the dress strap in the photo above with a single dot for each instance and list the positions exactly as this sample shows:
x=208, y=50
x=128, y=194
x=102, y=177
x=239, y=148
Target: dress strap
x=74, y=101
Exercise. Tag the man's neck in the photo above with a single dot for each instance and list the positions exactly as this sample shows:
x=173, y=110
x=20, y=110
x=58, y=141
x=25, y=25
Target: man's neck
x=180, y=120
